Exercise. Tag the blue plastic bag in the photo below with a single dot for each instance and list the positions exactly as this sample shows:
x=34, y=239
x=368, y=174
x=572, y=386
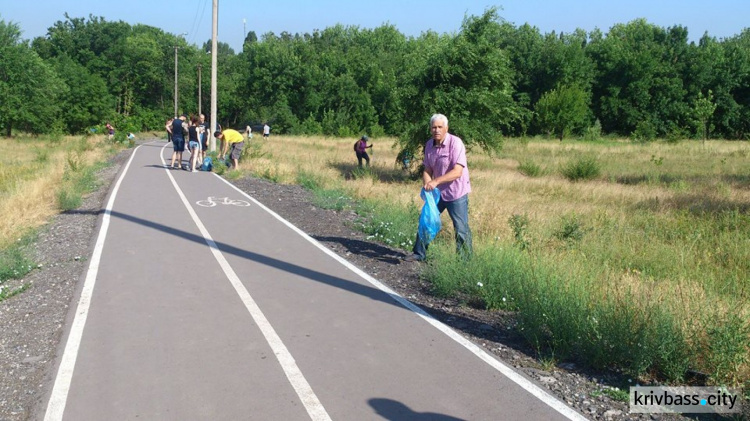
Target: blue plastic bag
x=429, y=219
x=207, y=164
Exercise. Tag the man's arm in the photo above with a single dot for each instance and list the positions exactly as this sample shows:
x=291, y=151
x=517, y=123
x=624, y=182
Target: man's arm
x=453, y=174
x=426, y=178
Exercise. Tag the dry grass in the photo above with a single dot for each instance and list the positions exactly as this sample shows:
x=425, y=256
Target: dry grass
x=650, y=182
x=30, y=176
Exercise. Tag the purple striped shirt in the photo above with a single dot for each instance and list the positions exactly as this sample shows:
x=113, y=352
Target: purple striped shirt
x=442, y=159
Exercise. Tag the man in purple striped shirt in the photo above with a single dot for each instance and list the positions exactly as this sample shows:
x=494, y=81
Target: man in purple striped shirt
x=445, y=168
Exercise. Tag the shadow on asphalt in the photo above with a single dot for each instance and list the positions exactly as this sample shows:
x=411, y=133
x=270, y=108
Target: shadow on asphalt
x=455, y=321
x=364, y=248
x=397, y=411
x=334, y=281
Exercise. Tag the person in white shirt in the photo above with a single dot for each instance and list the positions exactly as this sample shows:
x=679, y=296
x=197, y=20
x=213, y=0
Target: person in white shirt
x=266, y=131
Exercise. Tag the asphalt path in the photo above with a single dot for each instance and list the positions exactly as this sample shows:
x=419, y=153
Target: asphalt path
x=202, y=304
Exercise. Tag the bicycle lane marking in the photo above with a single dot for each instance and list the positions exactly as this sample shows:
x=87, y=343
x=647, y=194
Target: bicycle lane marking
x=303, y=389
x=499, y=366
x=59, y=396
x=209, y=202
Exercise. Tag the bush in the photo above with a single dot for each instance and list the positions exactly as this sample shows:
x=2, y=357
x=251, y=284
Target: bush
x=581, y=169
x=309, y=126
x=519, y=224
x=593, y=133
x=571, y=230
x=530, y=169
x=645, y=131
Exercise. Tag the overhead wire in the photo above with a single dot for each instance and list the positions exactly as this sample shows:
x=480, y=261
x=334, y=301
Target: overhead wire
x=197, y=20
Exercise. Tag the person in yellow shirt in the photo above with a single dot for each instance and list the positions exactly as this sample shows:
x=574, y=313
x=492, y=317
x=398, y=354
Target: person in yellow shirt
x=234, y=139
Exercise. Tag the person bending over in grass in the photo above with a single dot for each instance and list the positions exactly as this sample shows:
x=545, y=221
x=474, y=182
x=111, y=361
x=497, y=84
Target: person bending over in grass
x=445, y=168
x=231, y=139
x=361, y=150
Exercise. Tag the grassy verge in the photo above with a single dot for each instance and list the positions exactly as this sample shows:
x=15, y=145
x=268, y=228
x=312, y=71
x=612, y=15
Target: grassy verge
x=633, y=258
x=40, y=177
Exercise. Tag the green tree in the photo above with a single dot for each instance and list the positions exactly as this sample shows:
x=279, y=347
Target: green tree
x=563, y=110
x=704, y=109
x=86, y=101
x=638, y=77
x=467, y=78
x=29, y=87
x=543, y=62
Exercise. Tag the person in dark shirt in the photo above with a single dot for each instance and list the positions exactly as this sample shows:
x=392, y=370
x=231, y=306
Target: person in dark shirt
x=196, y=157
x=179, y=130
x=361, y=150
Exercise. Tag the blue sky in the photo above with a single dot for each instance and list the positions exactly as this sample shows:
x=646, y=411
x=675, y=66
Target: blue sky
x=721, y=18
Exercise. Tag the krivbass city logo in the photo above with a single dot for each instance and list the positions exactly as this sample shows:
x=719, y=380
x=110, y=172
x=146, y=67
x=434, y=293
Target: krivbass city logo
x=685, y=400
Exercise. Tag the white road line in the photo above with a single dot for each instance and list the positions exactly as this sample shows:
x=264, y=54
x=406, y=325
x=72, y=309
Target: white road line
x=59, y=396
x=311, y=402
x=504, y=369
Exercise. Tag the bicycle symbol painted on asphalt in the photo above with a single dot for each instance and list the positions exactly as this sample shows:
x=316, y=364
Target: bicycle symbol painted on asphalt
x=213, y=201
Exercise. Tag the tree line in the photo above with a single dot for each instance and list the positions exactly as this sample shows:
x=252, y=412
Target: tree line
x=492, y=79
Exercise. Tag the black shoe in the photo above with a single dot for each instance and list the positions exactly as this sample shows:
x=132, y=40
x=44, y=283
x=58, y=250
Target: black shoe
x=413, y=258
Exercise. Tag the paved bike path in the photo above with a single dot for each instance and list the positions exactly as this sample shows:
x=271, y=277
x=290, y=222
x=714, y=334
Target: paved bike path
x=204, y=308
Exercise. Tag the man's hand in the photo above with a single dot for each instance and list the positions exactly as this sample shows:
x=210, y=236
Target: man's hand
x=430, y=185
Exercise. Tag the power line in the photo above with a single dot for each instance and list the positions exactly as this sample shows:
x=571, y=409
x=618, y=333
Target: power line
x=195, y=26
x=192, y=26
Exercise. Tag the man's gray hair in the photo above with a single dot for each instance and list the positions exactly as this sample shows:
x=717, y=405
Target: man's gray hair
x=439, y=117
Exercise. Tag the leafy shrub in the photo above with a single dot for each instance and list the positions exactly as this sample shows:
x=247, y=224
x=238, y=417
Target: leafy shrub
x=645, y=131
x=593, y=133
x=519, y=223
x=581, y=169
x=309, y=126
x=253, y=150
x=571, y=229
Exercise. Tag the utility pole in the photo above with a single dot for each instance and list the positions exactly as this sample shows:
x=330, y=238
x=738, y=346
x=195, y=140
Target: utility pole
x=214, y=52
x=244, y=32
x=176, y=89
x=199, y=89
